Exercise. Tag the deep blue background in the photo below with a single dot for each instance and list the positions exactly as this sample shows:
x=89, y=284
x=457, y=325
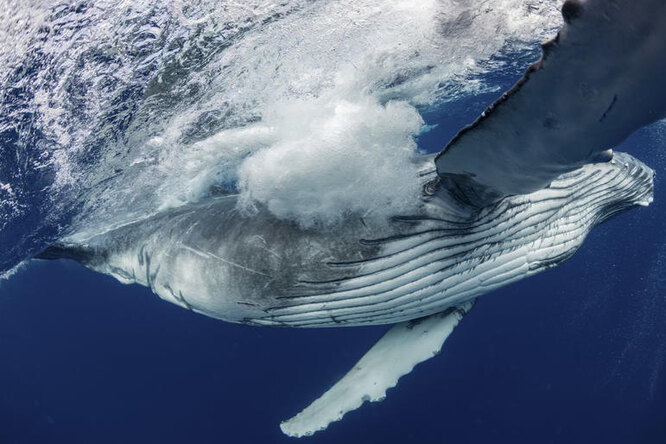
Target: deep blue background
x=574, y=355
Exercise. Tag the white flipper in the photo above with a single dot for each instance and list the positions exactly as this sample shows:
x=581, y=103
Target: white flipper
x=394, y=355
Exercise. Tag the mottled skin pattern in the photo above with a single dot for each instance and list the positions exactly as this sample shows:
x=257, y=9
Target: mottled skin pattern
x=258, y=257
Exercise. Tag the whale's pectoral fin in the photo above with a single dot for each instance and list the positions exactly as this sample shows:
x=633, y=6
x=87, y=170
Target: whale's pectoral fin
x=404, y=346
x=598, y=81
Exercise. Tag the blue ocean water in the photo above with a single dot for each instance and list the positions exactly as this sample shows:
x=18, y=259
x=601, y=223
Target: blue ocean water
x=574, y=355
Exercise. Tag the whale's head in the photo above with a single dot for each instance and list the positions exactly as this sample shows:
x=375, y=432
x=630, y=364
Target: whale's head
x=609, y=188
x=641, y=177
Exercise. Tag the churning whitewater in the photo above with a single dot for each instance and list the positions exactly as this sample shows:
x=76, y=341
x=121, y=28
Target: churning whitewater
x=115, y=110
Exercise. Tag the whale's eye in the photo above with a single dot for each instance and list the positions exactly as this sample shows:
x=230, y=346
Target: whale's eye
x=430, y=187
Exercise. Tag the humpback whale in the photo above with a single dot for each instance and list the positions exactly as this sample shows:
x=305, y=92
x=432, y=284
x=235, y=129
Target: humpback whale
x=513, y=194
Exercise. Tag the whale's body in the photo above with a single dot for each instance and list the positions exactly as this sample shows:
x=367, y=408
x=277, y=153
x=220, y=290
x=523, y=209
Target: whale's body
x=514, y=193
x=214, y=259
x=422, y=271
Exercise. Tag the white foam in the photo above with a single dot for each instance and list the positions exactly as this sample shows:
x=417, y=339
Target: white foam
x=335, y=87
x=333, y=156
x=4, y=276
x=19, y=21
x=10, y=205
x=308, y=106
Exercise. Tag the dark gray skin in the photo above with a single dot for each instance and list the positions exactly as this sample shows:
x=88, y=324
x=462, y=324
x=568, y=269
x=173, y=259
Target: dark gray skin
x=598, y=81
